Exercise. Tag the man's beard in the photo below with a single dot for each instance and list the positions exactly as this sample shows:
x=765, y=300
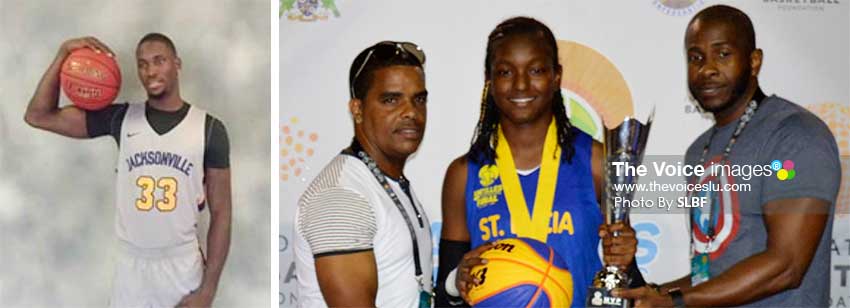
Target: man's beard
x=738, y=91
x=741, y=86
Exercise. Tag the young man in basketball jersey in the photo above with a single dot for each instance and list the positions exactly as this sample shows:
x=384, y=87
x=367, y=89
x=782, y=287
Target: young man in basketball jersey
x=767, y=246
x=173, y=162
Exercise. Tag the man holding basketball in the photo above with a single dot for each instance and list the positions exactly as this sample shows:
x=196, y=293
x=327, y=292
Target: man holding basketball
x=173, y=162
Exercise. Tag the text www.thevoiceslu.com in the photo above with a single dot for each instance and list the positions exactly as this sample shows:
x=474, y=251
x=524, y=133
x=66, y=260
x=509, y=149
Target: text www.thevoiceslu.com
x=681, y=187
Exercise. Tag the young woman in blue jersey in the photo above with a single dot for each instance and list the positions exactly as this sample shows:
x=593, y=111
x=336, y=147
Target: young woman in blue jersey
x=528, y=172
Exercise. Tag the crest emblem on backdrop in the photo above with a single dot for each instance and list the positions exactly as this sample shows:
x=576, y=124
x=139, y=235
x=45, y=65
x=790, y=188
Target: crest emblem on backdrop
x=308, y=10
x=678, y=7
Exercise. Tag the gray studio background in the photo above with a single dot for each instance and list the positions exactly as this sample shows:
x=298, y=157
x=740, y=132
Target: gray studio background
x=56, y=194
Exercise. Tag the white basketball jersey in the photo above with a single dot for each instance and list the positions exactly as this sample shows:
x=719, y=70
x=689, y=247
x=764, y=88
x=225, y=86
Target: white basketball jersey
x=160, y=180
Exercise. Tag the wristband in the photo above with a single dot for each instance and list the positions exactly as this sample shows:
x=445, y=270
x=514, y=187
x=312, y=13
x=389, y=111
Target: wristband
x=677, y=297
x=451, y=286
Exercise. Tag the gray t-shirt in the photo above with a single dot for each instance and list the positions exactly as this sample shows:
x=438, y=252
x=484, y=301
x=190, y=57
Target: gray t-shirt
x=783, y=131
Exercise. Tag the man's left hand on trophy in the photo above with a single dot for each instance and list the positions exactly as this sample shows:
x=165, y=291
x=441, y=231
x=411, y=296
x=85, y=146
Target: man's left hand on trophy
x=620, y=250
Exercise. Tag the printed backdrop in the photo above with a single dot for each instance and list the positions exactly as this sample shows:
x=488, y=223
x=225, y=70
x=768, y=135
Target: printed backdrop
x=619, y=57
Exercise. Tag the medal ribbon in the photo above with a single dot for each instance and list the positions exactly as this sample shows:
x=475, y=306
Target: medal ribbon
x=536, y=226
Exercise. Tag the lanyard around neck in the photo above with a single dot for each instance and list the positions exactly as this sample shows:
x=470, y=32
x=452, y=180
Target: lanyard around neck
x=752, y=106
x=742, y=123
x=356, y=150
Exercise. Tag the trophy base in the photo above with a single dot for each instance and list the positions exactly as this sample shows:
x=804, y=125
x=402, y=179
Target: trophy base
x=601, y=297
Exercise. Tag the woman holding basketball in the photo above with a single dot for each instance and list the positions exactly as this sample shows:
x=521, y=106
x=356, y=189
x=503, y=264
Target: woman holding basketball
x=528, y=173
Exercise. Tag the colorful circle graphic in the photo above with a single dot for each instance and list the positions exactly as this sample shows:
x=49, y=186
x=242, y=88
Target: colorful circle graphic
x=786, y=173
x=595, y=91
x=296, y=146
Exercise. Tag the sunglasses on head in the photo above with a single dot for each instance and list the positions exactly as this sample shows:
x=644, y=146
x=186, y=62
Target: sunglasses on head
x=386, y=50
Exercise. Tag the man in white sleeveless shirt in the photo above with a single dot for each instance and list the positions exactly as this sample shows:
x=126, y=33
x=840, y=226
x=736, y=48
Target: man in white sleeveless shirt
x=173, y=163
x=361, y=236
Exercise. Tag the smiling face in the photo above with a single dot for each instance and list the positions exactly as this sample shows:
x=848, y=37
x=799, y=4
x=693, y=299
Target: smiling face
x=722, y=68
x=524, y=79
x=393, y=112
x=158, y=68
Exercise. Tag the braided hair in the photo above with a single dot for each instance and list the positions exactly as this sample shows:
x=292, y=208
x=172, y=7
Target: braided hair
x=485, y=139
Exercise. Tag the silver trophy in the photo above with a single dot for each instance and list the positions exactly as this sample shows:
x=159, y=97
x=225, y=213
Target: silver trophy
x=625, y=144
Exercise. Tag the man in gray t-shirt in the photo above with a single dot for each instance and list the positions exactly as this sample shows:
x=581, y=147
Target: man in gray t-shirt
x=778, y=131
x=766, y=244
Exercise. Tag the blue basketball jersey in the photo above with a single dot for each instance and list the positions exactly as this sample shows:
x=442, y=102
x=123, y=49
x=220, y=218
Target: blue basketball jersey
x=574, y=221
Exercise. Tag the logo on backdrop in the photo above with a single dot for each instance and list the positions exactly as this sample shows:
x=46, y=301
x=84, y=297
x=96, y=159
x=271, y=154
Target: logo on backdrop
x=840, y=249
x=282, y=243
x=296, y=147
x=648, y=234
x=803, y=5
x=593, y=88
x=436, y=228
x=678, y=7
x=837, y=117
x=287, y=273
x=308, y=10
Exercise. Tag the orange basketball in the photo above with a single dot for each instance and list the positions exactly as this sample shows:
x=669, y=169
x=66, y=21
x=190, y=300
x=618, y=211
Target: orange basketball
x=90, y=80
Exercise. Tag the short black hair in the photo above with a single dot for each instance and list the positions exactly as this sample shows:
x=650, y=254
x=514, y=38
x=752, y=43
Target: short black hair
x=731, y=16
x=158, y=37
x=361, y=86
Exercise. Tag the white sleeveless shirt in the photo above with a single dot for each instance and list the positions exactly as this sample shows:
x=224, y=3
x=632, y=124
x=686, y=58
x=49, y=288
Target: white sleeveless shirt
x=160, y=180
